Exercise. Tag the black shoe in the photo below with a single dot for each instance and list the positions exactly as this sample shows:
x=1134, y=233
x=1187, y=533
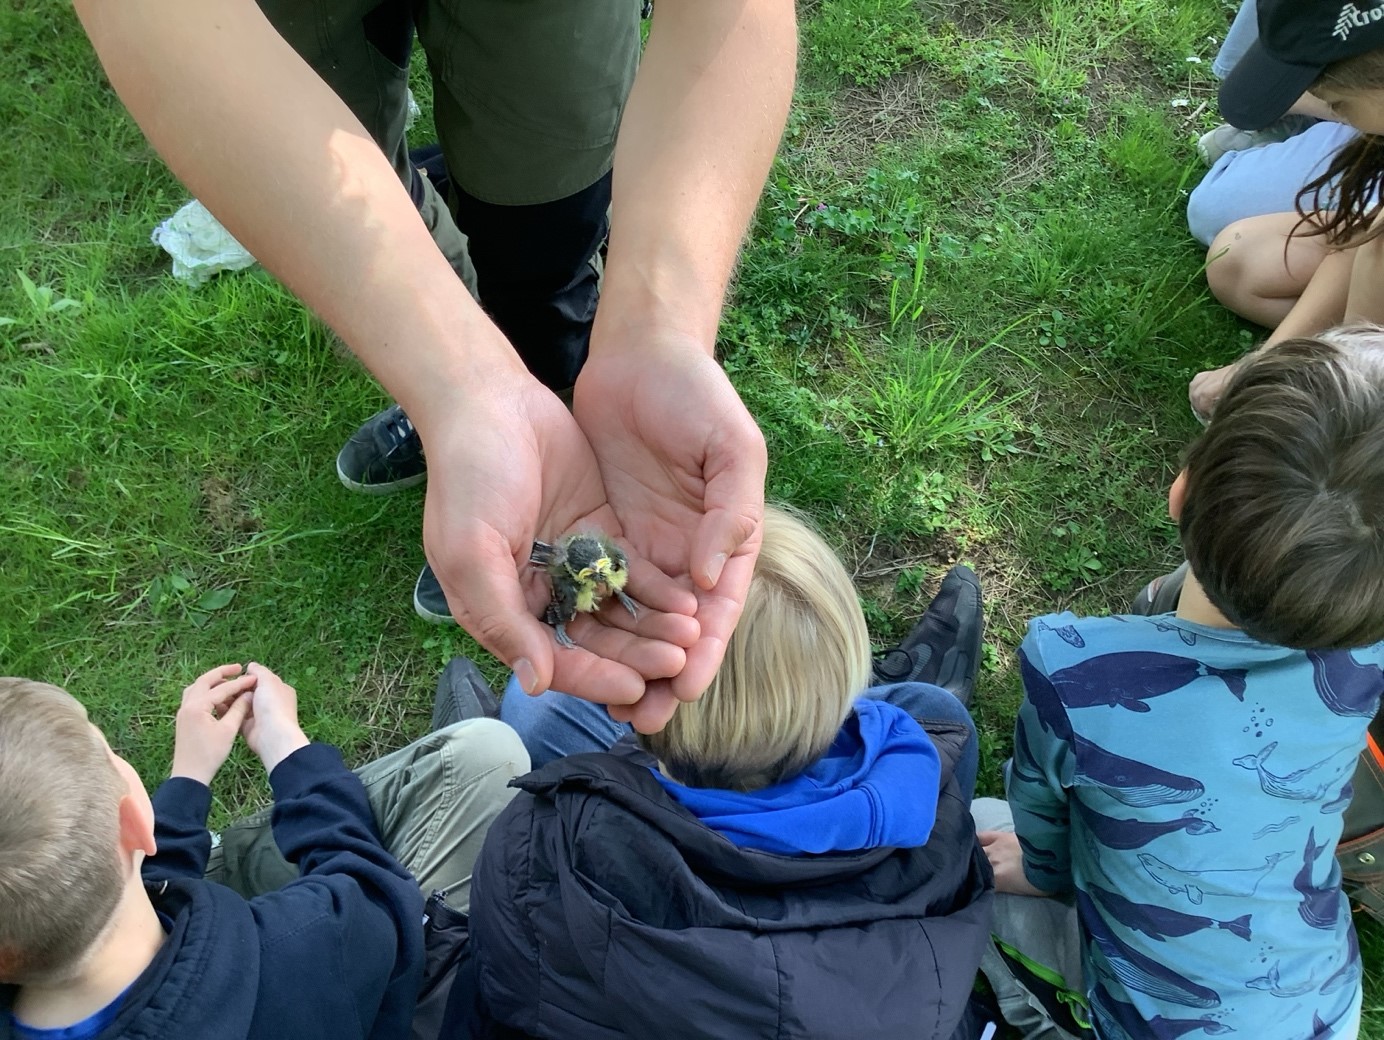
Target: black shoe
x=944, y=647
x=384, y=455
x=463, y=693
x=429, y=601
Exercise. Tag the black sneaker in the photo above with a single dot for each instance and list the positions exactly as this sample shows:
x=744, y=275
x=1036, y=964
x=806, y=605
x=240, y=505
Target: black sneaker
x=1160, y=596
x=384, y=455
x=944, y=647
x=463, y=693
x=429, y=601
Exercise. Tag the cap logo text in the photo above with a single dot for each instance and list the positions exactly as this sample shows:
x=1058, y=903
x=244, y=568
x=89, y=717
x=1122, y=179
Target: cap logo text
x=1353, y=18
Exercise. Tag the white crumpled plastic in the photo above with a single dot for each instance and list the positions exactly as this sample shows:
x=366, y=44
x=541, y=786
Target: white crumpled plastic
x=199, y=245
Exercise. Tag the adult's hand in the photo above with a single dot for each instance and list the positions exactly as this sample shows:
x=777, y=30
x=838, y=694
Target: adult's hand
x=506, y=467
x=683, y=465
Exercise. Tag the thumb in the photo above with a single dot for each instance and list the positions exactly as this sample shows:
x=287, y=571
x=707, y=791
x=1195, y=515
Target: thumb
x=733, y=512
x=238, y=711
x=486, y=599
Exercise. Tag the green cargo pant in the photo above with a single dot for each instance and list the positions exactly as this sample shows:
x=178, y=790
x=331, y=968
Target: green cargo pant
x=433, y=802
x=527, y=94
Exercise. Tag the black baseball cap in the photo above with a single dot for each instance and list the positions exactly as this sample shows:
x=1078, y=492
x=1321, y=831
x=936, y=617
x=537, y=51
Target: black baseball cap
x=1298, y=39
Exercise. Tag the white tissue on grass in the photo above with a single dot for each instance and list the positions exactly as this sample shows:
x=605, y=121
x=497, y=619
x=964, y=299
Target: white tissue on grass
x=200, y=247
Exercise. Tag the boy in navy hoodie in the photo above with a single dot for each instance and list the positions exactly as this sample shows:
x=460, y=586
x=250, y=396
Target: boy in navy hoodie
x=107, y=927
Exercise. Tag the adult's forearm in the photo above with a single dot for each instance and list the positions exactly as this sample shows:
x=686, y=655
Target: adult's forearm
x=283, y=163
x=696, y=141
x=1323, y=303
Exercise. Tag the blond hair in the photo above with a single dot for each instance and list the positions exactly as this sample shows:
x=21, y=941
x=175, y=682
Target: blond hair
x=60, y=873
x=795, y=664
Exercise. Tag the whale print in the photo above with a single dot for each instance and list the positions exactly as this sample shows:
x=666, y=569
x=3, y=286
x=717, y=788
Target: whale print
x=1137, y=972
x=1275, y=828
x=1190, y=638
x=1308, y=784
x=1349, y=973
x=1023, y=766
x=1130, y=679
x=1135, y=834
x=1110, y=1012
x=1273, y=983
x=1346, y=687
x=1160, y=922
x=1321, y=905
x=1194, y=883
x=1133, y=783
x=1043, y=696
x=1067, y=633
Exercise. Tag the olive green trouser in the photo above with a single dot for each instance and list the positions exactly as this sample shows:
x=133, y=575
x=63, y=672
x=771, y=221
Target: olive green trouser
x=433, y=801
x=527, y=94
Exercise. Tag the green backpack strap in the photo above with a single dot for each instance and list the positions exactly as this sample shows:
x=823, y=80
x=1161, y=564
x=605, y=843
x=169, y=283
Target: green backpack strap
x=1361, y=851
x=1065, y=1006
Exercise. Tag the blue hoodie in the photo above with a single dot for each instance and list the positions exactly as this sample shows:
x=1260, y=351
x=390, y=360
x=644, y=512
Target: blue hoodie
x=875, y=787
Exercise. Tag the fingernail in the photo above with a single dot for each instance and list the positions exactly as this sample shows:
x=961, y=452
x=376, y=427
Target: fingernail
x=714, y=568
x=528, y=678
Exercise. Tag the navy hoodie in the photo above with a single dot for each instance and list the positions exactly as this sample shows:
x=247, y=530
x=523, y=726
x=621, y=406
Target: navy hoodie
x=336, y=954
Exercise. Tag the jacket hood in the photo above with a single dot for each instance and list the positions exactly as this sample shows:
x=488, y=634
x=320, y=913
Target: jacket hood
x=876, y=785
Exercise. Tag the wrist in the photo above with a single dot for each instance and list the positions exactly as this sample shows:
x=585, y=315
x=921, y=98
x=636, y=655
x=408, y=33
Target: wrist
x=278, y=748
x=192, y=770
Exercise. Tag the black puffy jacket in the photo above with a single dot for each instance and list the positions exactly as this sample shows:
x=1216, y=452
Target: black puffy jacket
x=603, y=910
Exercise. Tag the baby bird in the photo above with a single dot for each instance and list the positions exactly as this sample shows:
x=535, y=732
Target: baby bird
x=585, y=569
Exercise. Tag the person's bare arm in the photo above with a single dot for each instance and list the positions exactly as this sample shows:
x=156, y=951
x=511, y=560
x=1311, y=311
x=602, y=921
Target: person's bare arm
x=682, y=459
x=1323, y=303
x=282, y=162
x=279, y=159
x=1365, y=301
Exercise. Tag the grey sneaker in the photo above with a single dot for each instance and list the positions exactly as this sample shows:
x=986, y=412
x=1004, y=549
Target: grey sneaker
x=1160, y=596
x=945, y=646
x=1226, y=138
x=429, y=601
x=462, y=693
x=384, y=455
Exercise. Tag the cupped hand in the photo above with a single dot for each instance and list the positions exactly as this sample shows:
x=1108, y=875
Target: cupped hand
x=1006, y=858
x=511, y=466
x=683, y=465
x=210, y=716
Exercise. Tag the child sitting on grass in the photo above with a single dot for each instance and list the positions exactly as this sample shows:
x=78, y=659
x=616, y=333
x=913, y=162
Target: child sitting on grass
x=787, y=859
x=1183, y=775
x=108, y=929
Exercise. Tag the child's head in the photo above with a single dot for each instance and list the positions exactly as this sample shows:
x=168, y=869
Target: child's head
x=1281, y=503
x=796, y=662
x=61, y=869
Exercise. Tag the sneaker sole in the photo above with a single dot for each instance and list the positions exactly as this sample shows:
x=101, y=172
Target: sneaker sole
x=379, y=489
x=429, y=615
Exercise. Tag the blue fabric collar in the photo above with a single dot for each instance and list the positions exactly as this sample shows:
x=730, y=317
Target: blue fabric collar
x=876, y=786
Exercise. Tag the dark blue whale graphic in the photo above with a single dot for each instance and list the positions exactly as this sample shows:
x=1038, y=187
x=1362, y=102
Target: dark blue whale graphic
x=1321, y=905
x=1160, y=922
x=1345, y=686
x=1043, y=696
x=1349, y=973
x=1110, y=1012
x=1137, y=972
x=1126, y=780
x=1024, y=764
x=1135, y=834
x=1190, y=638
x=1130, y=679
x=1067, y=633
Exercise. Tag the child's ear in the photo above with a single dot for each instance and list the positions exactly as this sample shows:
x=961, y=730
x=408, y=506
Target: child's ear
x=137, y=825
x=1177, y=495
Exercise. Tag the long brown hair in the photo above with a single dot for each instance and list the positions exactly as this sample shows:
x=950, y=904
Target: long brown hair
x=1344, y=213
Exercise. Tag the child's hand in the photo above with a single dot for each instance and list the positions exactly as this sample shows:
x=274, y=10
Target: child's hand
x=1007, y=861
x=272, y=729
x=211, y=714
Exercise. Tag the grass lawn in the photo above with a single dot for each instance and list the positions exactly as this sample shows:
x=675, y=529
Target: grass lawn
x=965, y=320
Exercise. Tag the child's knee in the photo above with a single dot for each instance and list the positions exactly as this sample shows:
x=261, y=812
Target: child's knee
x=1229, y=265
x=486, y=751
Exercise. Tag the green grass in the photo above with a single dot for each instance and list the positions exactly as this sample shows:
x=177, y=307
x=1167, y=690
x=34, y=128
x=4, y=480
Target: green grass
x=965, y=320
